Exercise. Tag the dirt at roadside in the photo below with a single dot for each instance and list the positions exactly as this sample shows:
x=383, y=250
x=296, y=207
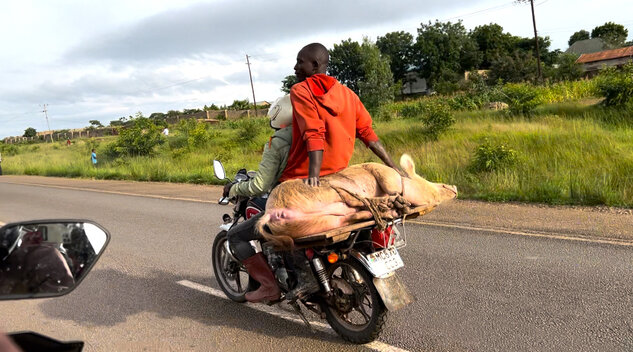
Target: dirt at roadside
x=596, y=222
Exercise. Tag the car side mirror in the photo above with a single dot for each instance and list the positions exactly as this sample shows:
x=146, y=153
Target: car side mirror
x=47, y=258
x=218, y=169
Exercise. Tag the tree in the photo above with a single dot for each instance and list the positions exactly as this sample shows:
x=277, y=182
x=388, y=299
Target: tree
x=157, y=116
x=614, y=35
x=567, y=69
x=30, y=132
x=398, y=47
x=376, y=87
x=345, y=64
x=518, y=67
x=443, y=51
x=580, y=35
x=528, y=45
x=95, y=123
x=240, y=105
x=287, y=83
x=493, y=43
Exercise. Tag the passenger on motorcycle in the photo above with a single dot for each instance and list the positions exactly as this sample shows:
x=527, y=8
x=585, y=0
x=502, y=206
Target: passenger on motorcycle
x=273, y=163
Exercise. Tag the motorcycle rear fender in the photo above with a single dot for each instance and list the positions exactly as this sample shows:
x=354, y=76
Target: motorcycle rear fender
x=392, y=291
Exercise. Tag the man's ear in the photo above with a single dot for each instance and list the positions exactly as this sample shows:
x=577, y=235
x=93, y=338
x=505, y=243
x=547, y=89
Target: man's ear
x=315, y=66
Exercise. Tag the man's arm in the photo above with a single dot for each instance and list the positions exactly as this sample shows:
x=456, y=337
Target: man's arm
x=312, y=130
x=264, y=178
x=365, y=133
x=377, y=148
x=314, y=169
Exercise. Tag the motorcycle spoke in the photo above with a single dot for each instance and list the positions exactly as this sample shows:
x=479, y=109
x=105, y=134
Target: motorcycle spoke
x=362, y=311
x=238, y=282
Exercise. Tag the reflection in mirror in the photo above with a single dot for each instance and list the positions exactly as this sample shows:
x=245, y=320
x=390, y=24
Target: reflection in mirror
x=46, y=258
x=218, y=169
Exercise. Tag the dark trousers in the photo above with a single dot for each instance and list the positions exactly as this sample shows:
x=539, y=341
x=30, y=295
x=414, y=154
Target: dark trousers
x=240, y=235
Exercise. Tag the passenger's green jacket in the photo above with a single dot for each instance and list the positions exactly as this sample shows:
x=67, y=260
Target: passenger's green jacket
x=272, y=165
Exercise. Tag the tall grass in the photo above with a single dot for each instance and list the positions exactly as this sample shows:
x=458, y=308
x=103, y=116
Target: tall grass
x=566, y=154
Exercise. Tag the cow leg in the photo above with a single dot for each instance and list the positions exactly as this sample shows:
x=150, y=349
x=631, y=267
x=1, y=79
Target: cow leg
x=349, y=200
x=388, y=179
x=357, y=216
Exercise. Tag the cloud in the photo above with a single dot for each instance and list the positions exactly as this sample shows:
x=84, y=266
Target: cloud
x=234, y=27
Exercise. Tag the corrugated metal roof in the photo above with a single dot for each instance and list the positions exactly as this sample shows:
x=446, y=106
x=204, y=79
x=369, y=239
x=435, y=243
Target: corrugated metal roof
x=586, y=46
x=606, y=55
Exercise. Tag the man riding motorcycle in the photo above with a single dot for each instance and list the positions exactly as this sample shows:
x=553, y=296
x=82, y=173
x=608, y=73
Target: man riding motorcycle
x=273, y=163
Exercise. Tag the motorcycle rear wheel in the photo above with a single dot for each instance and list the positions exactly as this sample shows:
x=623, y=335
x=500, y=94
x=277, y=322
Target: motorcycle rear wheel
x=230, y=274
x=350, y=319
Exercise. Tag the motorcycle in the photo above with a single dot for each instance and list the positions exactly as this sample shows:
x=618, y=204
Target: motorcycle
x=356, y=269
x=43, y=259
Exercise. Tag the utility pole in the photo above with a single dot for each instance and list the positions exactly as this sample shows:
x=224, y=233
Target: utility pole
x=538, y=54
x=248, y=63
x=47, y=124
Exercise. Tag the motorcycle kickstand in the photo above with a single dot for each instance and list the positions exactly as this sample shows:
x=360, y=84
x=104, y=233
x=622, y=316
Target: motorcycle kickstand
x=297, y=308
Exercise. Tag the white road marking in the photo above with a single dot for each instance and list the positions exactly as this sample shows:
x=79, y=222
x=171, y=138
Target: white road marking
x=113, y=192
x=530, y=234
x=375, y=345
x=462, y=227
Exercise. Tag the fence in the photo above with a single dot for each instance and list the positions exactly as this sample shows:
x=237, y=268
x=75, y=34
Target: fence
x=209, y=115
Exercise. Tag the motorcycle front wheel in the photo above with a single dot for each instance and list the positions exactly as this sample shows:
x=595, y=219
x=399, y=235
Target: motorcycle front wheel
x=356, y=311
x=230, y=274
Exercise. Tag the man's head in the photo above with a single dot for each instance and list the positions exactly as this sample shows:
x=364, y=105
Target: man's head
x=312, y=59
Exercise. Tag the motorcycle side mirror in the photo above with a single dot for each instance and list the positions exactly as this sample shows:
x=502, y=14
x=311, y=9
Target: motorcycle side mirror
x=223, y=201
x=47, y=258
x=218, y=169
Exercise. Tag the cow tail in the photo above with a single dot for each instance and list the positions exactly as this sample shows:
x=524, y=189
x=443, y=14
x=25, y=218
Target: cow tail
x=279, y=242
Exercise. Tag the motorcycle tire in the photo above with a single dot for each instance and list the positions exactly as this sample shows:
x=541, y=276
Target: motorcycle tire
x=220, y=260
x=369, y=331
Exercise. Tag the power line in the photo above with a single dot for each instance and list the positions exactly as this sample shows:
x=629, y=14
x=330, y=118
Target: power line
x=498, y=7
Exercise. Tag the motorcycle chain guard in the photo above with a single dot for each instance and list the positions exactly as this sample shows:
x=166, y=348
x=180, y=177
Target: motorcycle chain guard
x=393, y=292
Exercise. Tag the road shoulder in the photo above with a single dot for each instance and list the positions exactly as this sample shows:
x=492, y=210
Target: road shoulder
x=585, y=222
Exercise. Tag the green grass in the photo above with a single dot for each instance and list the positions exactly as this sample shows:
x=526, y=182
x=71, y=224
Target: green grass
x=568, y=153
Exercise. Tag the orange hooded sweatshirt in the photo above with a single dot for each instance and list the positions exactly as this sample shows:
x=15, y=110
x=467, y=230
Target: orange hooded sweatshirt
x=326, y=116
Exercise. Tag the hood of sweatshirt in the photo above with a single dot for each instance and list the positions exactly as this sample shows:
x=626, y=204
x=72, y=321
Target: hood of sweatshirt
x=325, y=88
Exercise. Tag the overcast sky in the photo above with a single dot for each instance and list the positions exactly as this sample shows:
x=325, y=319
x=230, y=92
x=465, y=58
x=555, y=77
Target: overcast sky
x=103, y=59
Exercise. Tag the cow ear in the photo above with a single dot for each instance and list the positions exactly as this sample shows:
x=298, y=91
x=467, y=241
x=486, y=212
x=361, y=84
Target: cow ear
x=407, y=164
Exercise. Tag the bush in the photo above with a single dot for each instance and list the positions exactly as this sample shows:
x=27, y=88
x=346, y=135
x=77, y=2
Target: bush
x=438, y=119
x=9, y=149
x=616, y=86
x=198, y=136
x=139, y=139
x=412, y=110
x=522, y=98
x=490, y=157
x=248, y=129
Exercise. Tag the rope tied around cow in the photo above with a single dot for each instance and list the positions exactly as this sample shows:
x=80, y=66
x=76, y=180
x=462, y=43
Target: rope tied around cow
x=380, y=207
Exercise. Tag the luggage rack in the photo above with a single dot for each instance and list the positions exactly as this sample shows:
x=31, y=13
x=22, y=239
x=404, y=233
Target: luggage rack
x=342, y=233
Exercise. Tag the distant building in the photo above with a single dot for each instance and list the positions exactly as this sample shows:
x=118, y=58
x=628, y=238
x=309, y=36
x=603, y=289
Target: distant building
x=263, y=103
x=482, y=73
x=413, y=84
x=593, y=62
x=586, y=46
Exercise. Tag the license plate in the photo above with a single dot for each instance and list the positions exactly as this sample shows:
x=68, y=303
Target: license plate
x=384, y=262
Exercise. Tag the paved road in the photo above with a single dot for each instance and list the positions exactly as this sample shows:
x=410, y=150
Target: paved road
x=476, y=290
